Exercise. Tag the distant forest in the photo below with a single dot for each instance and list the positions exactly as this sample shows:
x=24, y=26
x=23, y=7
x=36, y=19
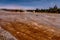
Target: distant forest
x=54, y=9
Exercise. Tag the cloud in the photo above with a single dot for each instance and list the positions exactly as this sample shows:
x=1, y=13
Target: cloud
x=10, y=6
x=15, y=7
x=28, y=4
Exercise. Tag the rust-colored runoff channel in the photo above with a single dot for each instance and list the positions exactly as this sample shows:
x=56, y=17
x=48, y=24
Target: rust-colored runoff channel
x=24, y=31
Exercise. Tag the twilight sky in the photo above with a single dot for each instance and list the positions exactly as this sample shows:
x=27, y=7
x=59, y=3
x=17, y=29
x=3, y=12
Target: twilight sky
x=28, y=4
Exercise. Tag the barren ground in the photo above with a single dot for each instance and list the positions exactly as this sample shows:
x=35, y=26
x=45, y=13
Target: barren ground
x=31, y=26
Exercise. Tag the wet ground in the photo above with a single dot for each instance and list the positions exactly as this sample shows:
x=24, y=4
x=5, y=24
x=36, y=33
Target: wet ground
x=30, y=26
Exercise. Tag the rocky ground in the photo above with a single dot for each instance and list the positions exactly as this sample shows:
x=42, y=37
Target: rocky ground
x=29, y=26
x=5, y=35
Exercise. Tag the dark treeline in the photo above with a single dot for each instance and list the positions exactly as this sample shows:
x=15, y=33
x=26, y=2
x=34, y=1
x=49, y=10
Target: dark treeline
x=13, y=10
x=54, y=9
